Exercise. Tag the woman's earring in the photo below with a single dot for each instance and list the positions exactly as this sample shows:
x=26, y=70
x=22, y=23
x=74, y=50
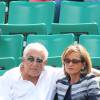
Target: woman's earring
x=82, y=69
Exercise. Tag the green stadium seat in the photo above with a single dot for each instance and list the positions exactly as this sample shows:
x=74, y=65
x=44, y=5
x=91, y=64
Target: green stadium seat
x=55, y=44
x=90, y=28
x=34, y=17
x=2, y=72
x=35, y=29
x=91, y=43
x=78, y=17
x=6, y=63
x=11, y=46
x=77, y=29
x=55, y=61
x=8, y=1
x=2, y=12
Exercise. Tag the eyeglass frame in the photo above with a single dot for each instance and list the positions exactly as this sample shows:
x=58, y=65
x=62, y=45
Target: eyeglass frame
x=74, y=61
x=32, y=59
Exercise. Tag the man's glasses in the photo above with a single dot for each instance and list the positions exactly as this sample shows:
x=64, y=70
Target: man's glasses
x=74, y=61
x=36, y=59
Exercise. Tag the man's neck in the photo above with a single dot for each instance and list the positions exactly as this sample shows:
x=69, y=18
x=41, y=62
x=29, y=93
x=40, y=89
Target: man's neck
x=33, y=79
x=25, y=76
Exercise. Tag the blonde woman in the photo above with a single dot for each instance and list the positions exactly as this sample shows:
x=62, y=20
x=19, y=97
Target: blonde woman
x=78, y=83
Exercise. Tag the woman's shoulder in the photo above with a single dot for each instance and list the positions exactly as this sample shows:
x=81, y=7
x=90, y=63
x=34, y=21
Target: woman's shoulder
x=62, y=80
x=90, y=76
x=93, y=81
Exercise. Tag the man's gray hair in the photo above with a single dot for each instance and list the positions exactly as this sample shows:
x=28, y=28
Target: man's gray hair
x=36, y=46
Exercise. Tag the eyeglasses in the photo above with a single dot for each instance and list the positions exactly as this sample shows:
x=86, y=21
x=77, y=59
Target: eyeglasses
x=37, y=59
x=74, y=61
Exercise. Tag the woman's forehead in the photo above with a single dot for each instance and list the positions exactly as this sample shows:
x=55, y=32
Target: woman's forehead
x=73, y=54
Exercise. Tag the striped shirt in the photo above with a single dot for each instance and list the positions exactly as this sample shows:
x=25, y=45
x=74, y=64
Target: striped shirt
x=86, y=87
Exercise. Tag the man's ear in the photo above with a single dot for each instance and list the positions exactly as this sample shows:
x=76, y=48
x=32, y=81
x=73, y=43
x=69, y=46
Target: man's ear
x=23, y=59
x=45, y=62
x=21, y=67
x=63, y=64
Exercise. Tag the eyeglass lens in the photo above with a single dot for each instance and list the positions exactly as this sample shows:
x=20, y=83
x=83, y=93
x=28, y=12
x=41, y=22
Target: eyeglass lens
x=37, y=59
x=74, y=61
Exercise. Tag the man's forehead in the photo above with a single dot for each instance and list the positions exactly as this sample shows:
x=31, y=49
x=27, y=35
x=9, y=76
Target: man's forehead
x=39, y=53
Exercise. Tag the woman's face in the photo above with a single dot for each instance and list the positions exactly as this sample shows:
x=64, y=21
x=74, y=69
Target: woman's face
x=73, y=64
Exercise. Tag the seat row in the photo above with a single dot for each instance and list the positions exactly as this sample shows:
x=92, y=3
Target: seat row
x=38, y=18
x=11, y=47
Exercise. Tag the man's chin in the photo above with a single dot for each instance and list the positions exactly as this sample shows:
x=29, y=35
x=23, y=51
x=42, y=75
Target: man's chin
x=35, y=74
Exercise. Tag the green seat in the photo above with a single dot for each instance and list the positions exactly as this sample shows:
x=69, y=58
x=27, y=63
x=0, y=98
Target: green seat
x=92, y=44
x=8, y=1
x=11, y=46
x=74, y=16
x=77, y=29
x=90, y=28
x=79, y=12
x=2, y=72
x=7, y=63
x=19, y=28
x=55, y=61
x=37, y=15
x=55, y=44
x=2, y=12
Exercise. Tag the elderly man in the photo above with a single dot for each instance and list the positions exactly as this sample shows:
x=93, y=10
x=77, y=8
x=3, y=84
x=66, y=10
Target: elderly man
x=32, y=80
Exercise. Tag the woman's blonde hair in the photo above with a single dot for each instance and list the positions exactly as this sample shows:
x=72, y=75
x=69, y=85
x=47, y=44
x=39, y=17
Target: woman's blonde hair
x=84, y=56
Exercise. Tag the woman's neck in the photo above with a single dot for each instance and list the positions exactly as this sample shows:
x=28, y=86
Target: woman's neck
x=74, y=78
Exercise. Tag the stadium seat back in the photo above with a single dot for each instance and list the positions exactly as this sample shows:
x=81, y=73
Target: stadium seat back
x=80, y=12
x=11, y=46
x=91, y=43
x=7, y=63
x=55, y=61
x=31, y=13
x=55, y=44
x=2, y=12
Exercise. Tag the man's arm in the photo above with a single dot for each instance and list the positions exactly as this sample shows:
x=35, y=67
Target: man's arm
x=5, y=89
x=96, y=72
x=93, y=88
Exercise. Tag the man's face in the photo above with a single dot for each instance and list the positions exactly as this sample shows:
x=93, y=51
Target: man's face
x=34, y=63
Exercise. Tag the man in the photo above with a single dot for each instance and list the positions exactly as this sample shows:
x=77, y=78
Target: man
x=32, y=80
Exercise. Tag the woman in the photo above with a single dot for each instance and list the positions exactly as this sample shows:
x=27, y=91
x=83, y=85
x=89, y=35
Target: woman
x=79, y=83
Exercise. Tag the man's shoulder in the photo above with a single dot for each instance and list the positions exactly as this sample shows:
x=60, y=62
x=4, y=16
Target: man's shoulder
x=12, y=73
x=13, y=70
x=55, y=71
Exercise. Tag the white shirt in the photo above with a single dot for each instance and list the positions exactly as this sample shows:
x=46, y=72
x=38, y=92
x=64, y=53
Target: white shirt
x=13, y=87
